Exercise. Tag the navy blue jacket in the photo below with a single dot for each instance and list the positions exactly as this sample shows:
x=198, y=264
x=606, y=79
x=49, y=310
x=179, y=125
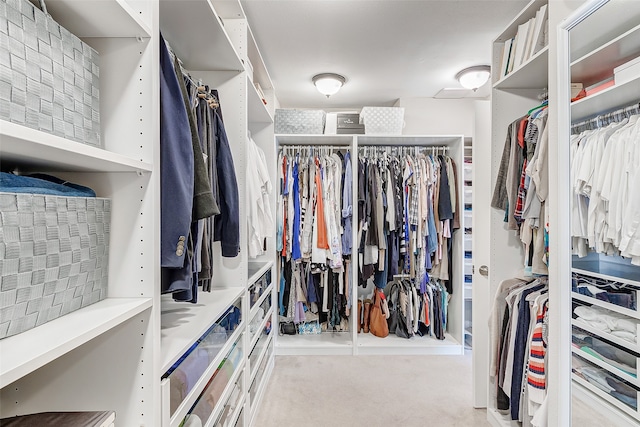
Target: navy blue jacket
x=176, y=166
x=227, y=224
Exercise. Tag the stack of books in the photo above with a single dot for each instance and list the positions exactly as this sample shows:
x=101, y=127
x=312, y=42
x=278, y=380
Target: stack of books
x=532, y=36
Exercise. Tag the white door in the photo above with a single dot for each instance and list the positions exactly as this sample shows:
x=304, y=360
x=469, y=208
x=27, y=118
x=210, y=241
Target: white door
x=481, y=237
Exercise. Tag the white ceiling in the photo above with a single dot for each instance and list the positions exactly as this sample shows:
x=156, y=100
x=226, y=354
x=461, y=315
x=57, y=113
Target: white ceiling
x=387, y=49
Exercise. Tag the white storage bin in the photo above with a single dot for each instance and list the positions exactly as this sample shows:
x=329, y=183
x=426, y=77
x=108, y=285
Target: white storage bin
x=382, y=120
x=468, y=267
x=468, y=242
x=468, y=194
x=468, y=171
x=468, y=219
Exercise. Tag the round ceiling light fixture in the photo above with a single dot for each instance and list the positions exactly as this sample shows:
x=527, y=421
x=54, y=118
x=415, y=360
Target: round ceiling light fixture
x=474, y=77
x=328, y=83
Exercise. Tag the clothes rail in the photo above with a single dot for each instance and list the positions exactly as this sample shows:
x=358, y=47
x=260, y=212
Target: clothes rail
x=402, y=150
x=292, y=149
x=606, y=119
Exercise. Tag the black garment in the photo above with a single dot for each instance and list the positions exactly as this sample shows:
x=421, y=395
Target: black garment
x=444, y=200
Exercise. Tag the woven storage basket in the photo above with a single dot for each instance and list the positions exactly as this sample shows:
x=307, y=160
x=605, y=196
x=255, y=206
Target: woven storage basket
x=49, y=78
x=309, y=122
x=382, y=120
x=54, y=254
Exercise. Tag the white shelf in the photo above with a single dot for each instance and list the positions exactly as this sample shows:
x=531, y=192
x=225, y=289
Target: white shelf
x=533, y=74
x=607, y=397
x=30, y=350
x=599, y=64
x=608, y=270
x=607, y=305
x=607, y=336
x=528, y=12
x=34, y=149
x=599, y=29
x=616, y=96
x=196, y=34
x=183, y=323
x=392, y=344
x=326, y=343
x=604, y=365
x=257, y=269
x=99, y=18
x=258, y=113
x=260, y=72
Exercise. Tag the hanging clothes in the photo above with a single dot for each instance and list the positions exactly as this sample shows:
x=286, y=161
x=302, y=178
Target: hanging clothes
x=518, y=322
x=198, y=183
x=313, y=215
x=522, y=186
x=409, y=204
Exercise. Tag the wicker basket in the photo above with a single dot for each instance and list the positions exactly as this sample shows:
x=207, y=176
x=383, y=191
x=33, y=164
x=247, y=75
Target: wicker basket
x=54, y=254
x=49, y=78
x=382, y=120
x=294, y=121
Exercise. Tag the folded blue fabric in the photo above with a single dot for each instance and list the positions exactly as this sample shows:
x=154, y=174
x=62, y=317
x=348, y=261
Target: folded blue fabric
x=10, y=183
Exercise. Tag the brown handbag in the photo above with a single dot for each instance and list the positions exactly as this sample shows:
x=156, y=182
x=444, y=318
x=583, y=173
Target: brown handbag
x=377, y=320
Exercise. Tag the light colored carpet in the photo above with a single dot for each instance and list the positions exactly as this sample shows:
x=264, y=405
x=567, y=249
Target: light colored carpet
x=371, y=391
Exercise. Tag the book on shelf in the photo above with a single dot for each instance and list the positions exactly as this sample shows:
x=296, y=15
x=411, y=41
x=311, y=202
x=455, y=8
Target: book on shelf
x=541, y=22
x=600, y=86
x=521, y=44
x=527, y=45
x=512, y=54
x=506, y=52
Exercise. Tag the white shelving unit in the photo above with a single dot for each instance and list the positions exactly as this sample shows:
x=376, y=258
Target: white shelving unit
x=113, y=342
x=597, y=38
x=512, y=97
x=127, y=342
x=467, y=177
x=352, y=343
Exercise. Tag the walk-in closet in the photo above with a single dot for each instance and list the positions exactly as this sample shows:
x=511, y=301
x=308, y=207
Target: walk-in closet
x=238, y=213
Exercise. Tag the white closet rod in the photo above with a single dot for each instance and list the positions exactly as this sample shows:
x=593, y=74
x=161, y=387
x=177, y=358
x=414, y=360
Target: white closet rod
x=291, y=149
x=402, y=149
x=606, y=119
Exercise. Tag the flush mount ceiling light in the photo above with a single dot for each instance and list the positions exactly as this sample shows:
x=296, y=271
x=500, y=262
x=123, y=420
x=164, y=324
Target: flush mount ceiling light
x=474, y=77
x=328, y=83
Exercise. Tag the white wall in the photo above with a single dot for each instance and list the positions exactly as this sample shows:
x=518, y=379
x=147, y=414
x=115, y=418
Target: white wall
x=429, y=116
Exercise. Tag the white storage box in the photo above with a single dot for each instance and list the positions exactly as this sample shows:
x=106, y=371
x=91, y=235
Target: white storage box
x=468, y=171
x=382, y=120
x=468, y=194
x=468, y=219
x=468, y=242
x=627, y=71
x=468, y=267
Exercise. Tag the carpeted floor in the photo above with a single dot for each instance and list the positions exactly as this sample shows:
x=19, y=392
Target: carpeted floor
x=378, y=391
x=371, y=391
